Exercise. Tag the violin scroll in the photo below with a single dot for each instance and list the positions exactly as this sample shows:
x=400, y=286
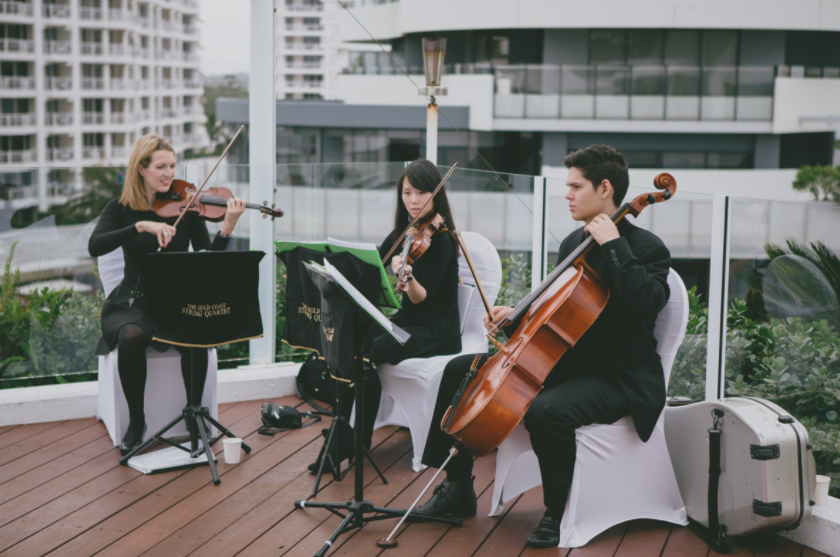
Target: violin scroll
x=664, y=182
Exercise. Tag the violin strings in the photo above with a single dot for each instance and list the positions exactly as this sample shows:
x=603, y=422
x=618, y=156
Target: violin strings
x=448, y=121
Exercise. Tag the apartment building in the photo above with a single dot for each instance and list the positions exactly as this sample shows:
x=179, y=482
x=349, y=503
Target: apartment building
x=81, y=80
x=305, y=51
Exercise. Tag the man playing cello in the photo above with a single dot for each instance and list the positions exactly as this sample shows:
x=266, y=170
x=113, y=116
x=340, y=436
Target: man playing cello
x=611, y=372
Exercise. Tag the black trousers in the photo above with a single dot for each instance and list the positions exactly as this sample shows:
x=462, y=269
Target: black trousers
x=570, y=399
x=383, y=349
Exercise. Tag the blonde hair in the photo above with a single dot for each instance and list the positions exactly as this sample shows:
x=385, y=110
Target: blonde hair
x=134, y=190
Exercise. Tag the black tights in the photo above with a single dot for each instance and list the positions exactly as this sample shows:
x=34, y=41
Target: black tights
x=131, y=363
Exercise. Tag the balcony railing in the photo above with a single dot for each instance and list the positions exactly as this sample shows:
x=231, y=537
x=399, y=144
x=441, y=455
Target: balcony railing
x=166, y=84
x=59, y=189
x=93, y=117
x=93, y=83
x=93, y=153
x=142, y=53
x=143, y=22
x=190, y=30
x=634, y=92
x=16, y=8
x=191, y=57
x=117, y=14
x=192, y=83
x=305, y=7
x=58, y=119
x=169, y=26
x=18, y=120
x=142, y=84
x=28, y=155
x=303, y=46
x=118, y=83
x=192, y=111
x=303, y=65
x=304, y=84
x=58, y=83
x=119, y=117
x=166, y=55
x=91, y=13
x=167, y=113
x=117, y=50
x=60, y=154
x=304, y=27
x=120, y=152
x=16, y=45
x=17, y=83
x=57, y=11
x=22, y=192
x=94, y=49
x=142, y=115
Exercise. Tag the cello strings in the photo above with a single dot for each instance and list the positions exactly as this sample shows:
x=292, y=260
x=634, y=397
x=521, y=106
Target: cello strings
x=448, y=121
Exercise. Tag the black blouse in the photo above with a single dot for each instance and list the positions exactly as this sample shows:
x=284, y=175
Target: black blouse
x=433, y=323
x=116, y=228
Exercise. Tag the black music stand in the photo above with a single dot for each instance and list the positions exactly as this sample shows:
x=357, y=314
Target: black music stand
x=358, y=314
x=215, y=302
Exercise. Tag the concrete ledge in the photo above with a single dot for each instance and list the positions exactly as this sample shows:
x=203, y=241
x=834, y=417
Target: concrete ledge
x=821, y=531
x=73, y=401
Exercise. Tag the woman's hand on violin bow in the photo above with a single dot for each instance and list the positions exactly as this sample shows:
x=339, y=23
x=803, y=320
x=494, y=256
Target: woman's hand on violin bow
x=499, y=313
x=163, y=231
x=235, y=208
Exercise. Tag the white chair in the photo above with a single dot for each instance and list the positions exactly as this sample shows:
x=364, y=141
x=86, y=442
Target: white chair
x=409, y=389
x=164, y=396
x=617, y=477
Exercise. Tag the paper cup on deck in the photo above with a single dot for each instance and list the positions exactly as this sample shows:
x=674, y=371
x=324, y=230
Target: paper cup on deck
x=821, y=491
x=234, y=446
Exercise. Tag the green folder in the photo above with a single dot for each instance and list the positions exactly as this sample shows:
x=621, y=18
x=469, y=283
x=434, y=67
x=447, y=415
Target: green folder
x=371, y=256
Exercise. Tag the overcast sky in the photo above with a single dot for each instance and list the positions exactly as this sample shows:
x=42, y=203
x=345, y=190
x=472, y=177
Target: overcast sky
x=224, y=36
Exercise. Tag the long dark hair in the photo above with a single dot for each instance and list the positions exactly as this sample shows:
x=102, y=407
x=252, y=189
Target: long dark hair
x=424, y=176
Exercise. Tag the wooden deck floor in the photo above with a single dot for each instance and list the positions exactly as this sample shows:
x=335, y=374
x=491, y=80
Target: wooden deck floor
x=63, y=493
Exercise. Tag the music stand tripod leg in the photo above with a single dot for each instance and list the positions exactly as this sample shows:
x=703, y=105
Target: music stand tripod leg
x=357, y=508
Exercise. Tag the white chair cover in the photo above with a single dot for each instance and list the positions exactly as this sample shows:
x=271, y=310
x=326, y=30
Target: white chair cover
x=164, y=395
x=617, y=477
x=409, y=389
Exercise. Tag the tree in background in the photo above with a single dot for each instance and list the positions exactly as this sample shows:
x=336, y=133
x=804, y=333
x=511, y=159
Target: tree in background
x=818, y=179
x=229, y=86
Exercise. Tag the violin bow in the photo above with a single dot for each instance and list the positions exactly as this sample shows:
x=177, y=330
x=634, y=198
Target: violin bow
x=415, y=219
x=211, y=172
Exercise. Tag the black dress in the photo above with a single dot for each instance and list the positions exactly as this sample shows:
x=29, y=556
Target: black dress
x=116, y=228
x=434, y=323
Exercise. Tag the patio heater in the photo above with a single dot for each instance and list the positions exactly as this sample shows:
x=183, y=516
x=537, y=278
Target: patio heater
x=433, y=51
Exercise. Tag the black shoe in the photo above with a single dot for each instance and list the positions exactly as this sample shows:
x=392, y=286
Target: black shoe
x=344, y=437
x=450, y=499
x=547, y=533
x=132, y=440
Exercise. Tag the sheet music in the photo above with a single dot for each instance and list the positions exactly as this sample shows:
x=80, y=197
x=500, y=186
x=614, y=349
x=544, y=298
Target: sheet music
x=399, y=335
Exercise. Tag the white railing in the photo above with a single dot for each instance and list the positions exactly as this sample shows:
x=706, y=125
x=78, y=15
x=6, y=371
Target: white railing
x=58, y=119
x=142, y=84
x=190, y=30
x=120, y=152
x=304, y=46
x=16, y=45
x=192, y=83
x=303, y=65
x=61, y=11
x=22, y=192
x=167, y=113
x=117, y=14
x=141, y=53
x=17, y=120
x=170, y=26
x=118, y=84
x=143, y=22
x=18, y=156
x=118, y=118
x=17, y=83
x=193, y=111
x=304, y=27
x=57, y=47
x=305, y=7
x=305, y=84
x=91, y=13
x=58, y=83
x=191, y=57
x=55, y=189
x=93, y=153
x=93, y=117
x=94, y=49
x=60, y=154
x=142, y=115
x=93, y=83
x=190, y=3
x=117, y=50
x=16, y=8
x=166, y=84
x=166, y=55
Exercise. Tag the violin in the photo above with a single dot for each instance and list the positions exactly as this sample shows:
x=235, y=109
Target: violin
x=493, y=400
x=417, y=241
x=210, y=204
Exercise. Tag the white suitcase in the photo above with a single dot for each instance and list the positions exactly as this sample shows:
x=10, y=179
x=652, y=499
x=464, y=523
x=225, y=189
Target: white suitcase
x=767, y=472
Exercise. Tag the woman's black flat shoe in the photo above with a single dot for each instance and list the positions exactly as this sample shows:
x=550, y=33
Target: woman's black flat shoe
x=129, y=443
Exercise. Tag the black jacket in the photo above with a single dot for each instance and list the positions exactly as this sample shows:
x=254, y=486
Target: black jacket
x=621, y=342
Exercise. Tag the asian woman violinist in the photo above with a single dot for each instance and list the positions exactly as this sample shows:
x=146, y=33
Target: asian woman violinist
x=429, y=292
x=129, y=222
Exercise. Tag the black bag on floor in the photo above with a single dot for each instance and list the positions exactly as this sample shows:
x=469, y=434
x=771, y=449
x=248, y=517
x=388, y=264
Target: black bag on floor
x=276, y=417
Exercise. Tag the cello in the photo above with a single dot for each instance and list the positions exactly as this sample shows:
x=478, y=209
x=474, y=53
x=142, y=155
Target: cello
x=493, y=400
